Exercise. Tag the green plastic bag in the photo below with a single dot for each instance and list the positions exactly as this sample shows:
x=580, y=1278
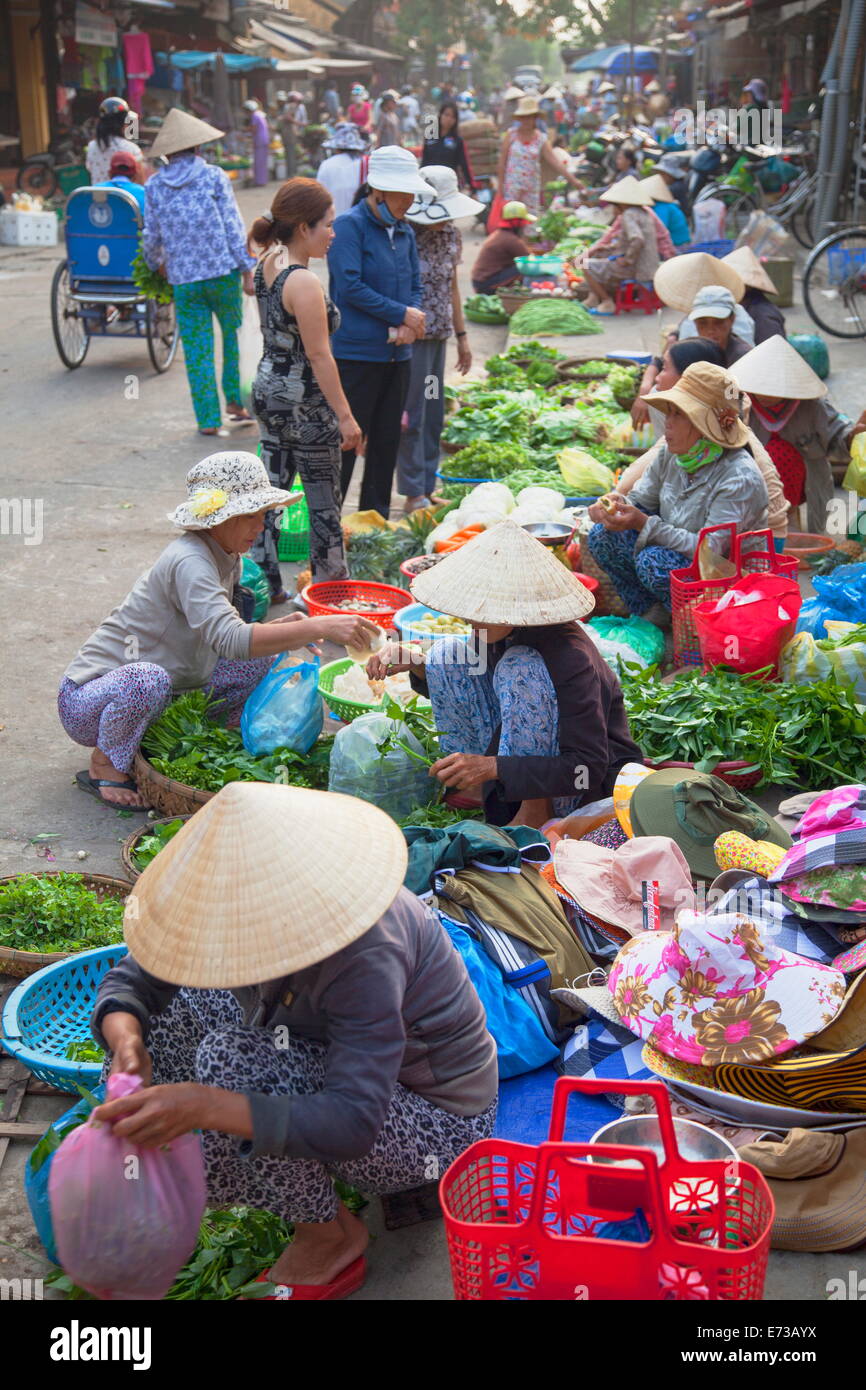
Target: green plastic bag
x=812, y=349
x=644, y=638
x=253, y=578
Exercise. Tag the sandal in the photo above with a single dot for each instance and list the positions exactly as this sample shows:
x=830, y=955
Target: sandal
x=91, y=785
x=282, y=597
x=349, y=1281
x=239, y=415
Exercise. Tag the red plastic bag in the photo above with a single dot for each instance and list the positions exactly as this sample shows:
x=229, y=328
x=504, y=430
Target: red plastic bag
x=749, y=625
x=126, y=1219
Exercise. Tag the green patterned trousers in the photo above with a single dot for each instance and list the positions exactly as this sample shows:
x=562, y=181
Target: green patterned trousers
x=196, y=305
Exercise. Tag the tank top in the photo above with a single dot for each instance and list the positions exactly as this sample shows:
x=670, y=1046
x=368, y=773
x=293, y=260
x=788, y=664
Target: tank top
x=285, y=379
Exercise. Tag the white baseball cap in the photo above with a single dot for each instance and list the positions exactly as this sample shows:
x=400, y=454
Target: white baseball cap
x=395, y=170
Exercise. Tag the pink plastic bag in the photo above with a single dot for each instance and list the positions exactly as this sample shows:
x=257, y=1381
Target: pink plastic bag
x=126, y=1219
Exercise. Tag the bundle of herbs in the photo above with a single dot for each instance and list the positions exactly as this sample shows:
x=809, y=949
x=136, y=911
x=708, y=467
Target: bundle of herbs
x=57, y=912
x=810, y=736
x=187, y=743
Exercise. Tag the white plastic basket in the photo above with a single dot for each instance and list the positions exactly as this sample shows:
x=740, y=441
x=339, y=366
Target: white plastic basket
x=27, y=228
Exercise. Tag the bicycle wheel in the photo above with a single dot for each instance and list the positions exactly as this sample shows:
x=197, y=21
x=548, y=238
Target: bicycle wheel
x=834, y=283
x=802, y=225
x=161, y=334
x=38, y=178
x=70, y=334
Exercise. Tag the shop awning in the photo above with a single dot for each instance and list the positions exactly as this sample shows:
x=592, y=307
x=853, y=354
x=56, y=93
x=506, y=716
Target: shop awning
x=192, y=60
x=292, y=39
x=616, y=61
x=321, y=64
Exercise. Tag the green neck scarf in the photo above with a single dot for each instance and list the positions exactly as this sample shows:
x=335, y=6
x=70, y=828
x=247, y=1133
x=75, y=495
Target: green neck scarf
x=700, y=454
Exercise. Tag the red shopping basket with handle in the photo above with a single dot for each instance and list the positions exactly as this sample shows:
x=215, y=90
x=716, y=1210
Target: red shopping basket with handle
x=559, y=1221
x=688, y=589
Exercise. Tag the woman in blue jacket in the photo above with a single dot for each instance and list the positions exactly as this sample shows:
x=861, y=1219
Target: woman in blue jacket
x=376, y=285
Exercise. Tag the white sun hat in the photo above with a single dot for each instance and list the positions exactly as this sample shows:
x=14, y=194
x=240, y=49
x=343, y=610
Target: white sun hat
x=504, y=576
x=776, y=369
x=225, y=485
x=629, y=191
x=445, y=202
x=262, y=881
x=395, y=170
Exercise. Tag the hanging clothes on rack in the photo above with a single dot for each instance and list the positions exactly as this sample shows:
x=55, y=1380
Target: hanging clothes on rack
x=138, y=58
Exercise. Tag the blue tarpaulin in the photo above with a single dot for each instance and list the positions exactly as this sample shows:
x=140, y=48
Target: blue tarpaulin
x=235, y=62
x=616, y=61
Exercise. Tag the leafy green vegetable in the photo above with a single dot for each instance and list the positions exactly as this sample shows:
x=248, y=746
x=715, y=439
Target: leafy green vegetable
x=487, y=304
x=57, y=912
x=535, y=477
x=439, y=814
x=484, y=460
x=553, y=318
x=85, y=1050
x=804, y=735
x=54, y=1136
x=518, y=355
x=151, y=282
x=148, y=847
x=469, y=425
x=623, y=381
x=188, y=744
x=553, y=224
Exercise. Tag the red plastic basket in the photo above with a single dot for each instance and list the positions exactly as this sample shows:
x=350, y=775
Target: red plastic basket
x=320, y=599
x=731, y=772
x=523, y=1221
x=688, y=589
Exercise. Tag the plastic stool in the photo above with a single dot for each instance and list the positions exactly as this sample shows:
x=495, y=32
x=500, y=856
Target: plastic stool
x=634, y=294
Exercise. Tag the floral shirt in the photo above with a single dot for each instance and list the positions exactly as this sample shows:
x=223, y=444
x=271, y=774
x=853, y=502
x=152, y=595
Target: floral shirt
x=440, y=249
x=192, y=224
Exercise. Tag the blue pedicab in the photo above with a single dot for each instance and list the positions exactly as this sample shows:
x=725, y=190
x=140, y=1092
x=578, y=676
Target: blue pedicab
x=93, y=293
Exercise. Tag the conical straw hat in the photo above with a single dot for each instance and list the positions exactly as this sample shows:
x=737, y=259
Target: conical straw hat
x=749, y=268
x=628, y=190
x=657, y=189
x=262, y=881
x=504, y=576
x=180, y=131
x=776, y=369
x=678, y=280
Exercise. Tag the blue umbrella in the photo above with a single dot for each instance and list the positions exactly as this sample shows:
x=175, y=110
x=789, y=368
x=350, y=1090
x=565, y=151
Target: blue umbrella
x=616, y=61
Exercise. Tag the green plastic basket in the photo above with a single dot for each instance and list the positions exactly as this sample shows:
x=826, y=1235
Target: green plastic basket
x=294, y=537
x=347, y=710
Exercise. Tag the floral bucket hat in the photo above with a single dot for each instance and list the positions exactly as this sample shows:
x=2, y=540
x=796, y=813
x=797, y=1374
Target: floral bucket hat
x=227, y=485
x=716, y=989
x=832, y=832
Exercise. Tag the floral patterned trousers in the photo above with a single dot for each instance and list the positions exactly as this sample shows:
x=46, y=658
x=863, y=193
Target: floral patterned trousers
x=517, y=697
x=196, y=304
x=112, y=711
x=641, y=579
x=202, y=1037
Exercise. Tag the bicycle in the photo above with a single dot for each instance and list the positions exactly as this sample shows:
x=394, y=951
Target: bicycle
x=795, y=206
x=834, y=283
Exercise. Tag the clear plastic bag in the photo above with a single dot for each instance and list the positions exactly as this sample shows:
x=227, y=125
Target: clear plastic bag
x=803, y=660
x=855, y=477
x=367, y=761
x=125, y=1218
x=285, y=710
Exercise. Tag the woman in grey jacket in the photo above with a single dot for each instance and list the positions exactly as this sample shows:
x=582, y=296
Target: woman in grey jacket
x=177, y=629
x=703, y=476
x=319, y=1024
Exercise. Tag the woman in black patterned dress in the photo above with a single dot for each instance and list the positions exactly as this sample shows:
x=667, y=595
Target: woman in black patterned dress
x=303, y=415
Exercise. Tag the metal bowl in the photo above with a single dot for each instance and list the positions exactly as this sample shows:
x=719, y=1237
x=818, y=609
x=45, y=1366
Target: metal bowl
x=549, y=532
x=696, y=1143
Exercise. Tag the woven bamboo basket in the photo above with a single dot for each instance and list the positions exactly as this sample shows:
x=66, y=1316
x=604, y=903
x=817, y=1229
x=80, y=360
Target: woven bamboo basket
x=127, y=849
x=165, y=795
x=513, y=299
x=24, y=963
x=608, y=603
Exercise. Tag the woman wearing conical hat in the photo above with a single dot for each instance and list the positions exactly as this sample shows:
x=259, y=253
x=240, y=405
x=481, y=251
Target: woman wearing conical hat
x=796, y=423
x=193, y=228
x=628, y=250
x=531, y=717
x=286, y=995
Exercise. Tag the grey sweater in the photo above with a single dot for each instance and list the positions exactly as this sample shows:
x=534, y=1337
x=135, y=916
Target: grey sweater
x=681, y=503
x=178, y=615
x=395, y=1006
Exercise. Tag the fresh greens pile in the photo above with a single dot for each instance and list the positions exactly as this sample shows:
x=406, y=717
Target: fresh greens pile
x=489, y=305
x=810, y=736
x=85, y=1050
x=57, y=912
x=148, y=847
x=535, y=477
x=188, y=744
x=623, y=382
x=554, y=224
x=438, y=815
x=520, y=355
x=483, y=460
x=418, y=719
x=509, y=420
x=553, y=318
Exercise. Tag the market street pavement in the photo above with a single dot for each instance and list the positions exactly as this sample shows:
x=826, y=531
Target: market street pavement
x=103, y=452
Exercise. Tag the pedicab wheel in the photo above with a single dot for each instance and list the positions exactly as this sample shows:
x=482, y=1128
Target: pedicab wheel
x=161, y=334
x=70, y=335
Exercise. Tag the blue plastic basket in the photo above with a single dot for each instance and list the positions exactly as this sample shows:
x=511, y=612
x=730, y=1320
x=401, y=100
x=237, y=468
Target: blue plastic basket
x=51, y=1009
x=405, y=619
x=723, y=247
x=844, y=262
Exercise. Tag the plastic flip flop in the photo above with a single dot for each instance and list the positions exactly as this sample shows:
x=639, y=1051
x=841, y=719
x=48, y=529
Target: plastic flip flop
x=600, y=314
x=91, y=785
x=345, y=1283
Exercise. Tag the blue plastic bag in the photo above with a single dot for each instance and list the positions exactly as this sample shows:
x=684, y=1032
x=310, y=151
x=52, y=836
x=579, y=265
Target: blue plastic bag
x=285, y=710
x=521, y=1043
x=39, y=1166
x=813, y=615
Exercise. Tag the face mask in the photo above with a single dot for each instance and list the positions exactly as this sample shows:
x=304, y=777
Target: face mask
x=699, y=455
x=386, y=214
